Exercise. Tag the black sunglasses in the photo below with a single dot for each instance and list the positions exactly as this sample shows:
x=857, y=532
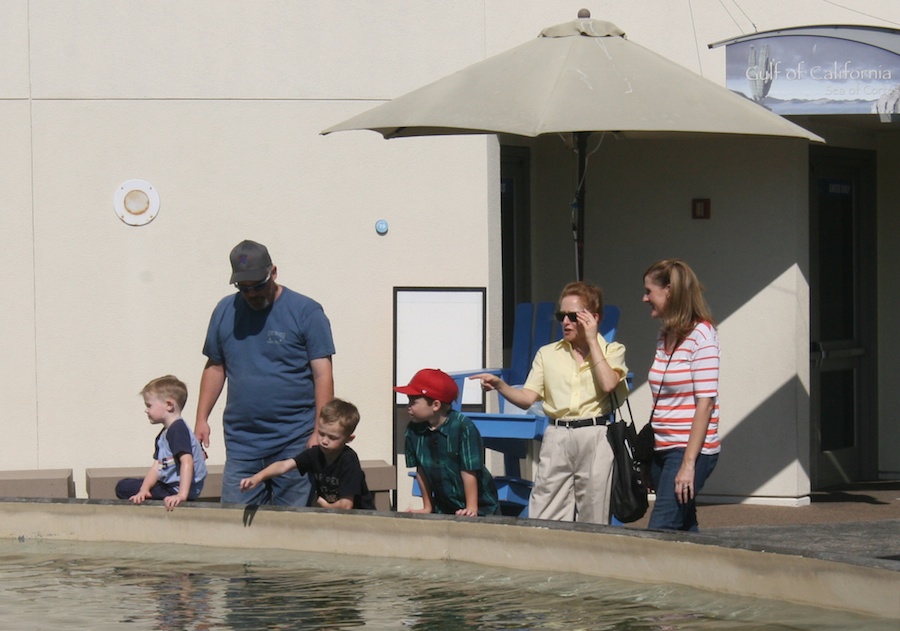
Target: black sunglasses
x=562, y=315
x=255, y=288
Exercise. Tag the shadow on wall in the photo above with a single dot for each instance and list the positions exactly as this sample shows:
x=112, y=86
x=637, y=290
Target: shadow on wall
x=762, y=445
x=638, y=331
x=639, y=211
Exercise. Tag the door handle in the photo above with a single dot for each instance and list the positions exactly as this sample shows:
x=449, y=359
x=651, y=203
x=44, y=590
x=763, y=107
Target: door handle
x=846, y=352
x=817, y=352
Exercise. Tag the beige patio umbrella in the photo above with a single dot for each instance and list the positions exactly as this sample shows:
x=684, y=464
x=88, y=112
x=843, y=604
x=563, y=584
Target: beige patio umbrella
x=579, y=77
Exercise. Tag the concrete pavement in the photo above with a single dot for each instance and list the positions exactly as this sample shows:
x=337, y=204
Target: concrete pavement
x=855, y=523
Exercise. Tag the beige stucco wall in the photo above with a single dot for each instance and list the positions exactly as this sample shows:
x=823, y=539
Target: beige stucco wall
x=219, y=105
x=117, y=305
x=17, y=361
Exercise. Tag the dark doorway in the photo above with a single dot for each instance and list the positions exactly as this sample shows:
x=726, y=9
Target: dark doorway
x=843, y=300
x=515, y=223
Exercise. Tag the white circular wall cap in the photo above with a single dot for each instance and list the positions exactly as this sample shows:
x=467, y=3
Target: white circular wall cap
x=136, y=202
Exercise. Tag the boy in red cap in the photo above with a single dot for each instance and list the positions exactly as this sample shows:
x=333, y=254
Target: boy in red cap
x=445, y=448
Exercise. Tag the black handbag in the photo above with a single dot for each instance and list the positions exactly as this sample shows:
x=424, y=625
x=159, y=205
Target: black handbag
x=628, y=497
x=643, y=448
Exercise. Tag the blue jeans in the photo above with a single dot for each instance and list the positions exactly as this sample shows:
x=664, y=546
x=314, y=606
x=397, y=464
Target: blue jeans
x=290, y=489
x=667, y=513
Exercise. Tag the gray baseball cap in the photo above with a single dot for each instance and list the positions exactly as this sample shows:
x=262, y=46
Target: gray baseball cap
x=249, y=261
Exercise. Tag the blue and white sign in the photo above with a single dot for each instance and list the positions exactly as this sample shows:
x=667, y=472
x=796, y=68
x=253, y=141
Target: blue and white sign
x=818, y=70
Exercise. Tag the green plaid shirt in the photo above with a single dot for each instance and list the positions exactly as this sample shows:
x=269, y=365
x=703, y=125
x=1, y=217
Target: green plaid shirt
x=443, y=454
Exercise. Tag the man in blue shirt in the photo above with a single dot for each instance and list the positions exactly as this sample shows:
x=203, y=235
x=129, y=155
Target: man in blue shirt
x=274, y=348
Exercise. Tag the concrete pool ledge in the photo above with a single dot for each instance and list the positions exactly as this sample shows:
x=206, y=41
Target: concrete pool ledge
x=597, y=551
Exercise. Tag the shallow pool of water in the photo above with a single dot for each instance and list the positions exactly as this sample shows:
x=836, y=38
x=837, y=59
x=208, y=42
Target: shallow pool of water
x=51, y=585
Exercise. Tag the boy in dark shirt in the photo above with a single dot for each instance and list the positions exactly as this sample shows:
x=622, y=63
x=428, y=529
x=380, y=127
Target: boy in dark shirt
x=339, y=478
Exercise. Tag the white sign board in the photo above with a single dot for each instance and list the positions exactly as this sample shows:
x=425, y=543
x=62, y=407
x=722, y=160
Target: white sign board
x=439, y=328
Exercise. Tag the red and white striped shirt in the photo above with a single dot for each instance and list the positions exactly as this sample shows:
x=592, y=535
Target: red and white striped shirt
x=692, y=373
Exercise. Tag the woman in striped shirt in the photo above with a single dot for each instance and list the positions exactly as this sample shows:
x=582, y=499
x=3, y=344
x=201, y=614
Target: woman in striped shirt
x=684, y=380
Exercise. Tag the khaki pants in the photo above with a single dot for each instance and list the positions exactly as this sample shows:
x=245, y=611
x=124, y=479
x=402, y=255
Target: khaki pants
x=574, y=476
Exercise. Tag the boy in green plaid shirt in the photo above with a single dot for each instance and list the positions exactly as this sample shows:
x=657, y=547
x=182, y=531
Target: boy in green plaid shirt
x=445, y=448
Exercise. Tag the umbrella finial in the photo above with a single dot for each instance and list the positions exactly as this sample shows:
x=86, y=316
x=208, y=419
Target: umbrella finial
x=583, y=13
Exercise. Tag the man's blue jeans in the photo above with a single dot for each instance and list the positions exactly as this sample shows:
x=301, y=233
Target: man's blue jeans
x=290, y=489
x=667, y=513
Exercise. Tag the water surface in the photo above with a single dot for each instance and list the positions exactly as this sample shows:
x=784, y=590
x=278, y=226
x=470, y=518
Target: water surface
x=49, y=585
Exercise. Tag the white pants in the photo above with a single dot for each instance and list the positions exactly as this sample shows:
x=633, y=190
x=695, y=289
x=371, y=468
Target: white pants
x=574, y=476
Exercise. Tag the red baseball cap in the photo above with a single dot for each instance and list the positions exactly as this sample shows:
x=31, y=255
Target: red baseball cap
x=432, y=383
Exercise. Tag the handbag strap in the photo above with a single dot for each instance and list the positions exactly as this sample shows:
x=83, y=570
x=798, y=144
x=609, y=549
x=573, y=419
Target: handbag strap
x=616, y=406
x=663, y=378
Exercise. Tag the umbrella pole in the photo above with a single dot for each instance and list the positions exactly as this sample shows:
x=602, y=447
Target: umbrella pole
x=581, y=138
